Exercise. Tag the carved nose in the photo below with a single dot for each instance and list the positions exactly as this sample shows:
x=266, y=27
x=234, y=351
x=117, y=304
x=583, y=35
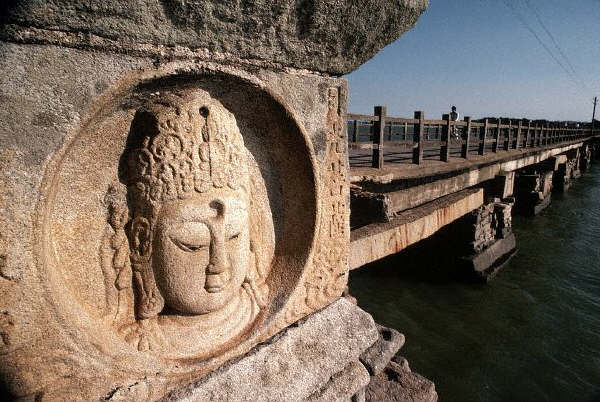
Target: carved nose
x=217, y=263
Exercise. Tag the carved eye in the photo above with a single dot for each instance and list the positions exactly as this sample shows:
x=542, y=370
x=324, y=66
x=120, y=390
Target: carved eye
x=190, y=248
x=190, y=237
x=235, y=236
x=203, y=111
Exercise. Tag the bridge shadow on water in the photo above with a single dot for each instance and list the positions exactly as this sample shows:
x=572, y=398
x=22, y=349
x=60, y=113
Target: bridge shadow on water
x=431, y=260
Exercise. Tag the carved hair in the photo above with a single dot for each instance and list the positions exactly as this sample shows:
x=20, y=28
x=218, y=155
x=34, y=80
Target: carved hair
x=179, y=147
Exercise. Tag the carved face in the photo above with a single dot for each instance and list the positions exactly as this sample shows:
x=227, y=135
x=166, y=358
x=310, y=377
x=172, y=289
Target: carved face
x=201, y=250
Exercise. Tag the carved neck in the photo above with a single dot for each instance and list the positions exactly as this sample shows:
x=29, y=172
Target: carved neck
x=205, y=334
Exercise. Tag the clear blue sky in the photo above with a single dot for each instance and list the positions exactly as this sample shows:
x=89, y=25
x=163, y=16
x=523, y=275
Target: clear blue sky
x=477, y=55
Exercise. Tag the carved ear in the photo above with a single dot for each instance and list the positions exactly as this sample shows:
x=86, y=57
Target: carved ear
x=141, y=238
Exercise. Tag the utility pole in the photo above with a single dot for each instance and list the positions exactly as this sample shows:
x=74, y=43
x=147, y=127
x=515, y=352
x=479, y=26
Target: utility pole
x=594, y=113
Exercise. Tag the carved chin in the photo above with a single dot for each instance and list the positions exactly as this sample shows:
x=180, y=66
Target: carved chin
x=213, y=295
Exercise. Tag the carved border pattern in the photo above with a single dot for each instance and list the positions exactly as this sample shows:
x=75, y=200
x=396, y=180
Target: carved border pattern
x=328, y=274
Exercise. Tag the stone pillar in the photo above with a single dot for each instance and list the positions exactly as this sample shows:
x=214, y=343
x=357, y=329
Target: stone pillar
x=175, y=188
x=595, y=148
x=502, y=186
x=585, y=158
x=488, y=231
x=568, y=168
x=533, y=186
x=561, y=180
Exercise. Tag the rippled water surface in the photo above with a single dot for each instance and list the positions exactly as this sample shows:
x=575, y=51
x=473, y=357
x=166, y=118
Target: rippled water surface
x=532, y=334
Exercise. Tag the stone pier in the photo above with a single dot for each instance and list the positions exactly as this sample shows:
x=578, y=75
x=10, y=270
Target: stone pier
x=490, y=242
x=533, y=190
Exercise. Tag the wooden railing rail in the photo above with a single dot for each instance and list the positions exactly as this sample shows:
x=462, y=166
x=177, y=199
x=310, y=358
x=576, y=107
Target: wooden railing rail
x=455, y=138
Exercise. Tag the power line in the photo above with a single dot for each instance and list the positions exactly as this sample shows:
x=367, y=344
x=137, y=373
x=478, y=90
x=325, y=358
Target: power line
x=548, y=50
x=555, y=42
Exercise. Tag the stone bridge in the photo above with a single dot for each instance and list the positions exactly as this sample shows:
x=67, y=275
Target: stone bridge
x=399, y=204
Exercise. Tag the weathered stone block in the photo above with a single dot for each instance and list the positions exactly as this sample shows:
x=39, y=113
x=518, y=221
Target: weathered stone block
x=484, y=265
x=401, y=360
x=396, y=384
x=297, y=364
x=344, y=385
x=381, y=352
x=317, y=35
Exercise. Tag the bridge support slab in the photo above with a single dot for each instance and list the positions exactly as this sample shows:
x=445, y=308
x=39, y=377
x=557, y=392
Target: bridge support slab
x=491, y=243
x=533, y=192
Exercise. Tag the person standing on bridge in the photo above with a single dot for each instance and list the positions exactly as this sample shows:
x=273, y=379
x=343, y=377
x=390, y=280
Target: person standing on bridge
x=454, y=116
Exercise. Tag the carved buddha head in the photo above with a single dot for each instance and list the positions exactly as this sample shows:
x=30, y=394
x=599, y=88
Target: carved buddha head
x=188, y=186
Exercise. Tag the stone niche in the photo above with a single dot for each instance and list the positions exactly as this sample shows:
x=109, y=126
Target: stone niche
x=160, y=219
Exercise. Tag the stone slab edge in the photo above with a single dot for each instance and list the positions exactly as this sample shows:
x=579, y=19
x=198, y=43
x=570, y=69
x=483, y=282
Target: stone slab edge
x=485, y=265
x=375, y=241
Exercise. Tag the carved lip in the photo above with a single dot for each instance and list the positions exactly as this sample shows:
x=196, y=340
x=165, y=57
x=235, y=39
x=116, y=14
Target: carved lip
x=216, y=282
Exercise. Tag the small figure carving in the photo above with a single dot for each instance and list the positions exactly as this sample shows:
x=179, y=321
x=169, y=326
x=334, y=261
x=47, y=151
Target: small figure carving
x=192, y=237
x=114, y=258
x=6, y=328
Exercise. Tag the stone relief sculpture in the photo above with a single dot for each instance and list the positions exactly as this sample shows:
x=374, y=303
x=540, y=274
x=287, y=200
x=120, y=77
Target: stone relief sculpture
x=188, y=219
x=185, y=264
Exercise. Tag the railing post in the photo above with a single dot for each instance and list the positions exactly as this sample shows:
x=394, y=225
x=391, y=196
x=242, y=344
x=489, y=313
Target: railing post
x=528, y=136
x=355, y=132
x=445, y=148
x=498, y=131
x=419, y=139
x=546, y=133
x=508, y=141
x=465, y=147
x=519, y=129
x=561, y=132
x=543, y=134
x=482, y=135
x=378, y=131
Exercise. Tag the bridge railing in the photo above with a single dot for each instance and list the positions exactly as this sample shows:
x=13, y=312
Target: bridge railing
x=413, y=140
